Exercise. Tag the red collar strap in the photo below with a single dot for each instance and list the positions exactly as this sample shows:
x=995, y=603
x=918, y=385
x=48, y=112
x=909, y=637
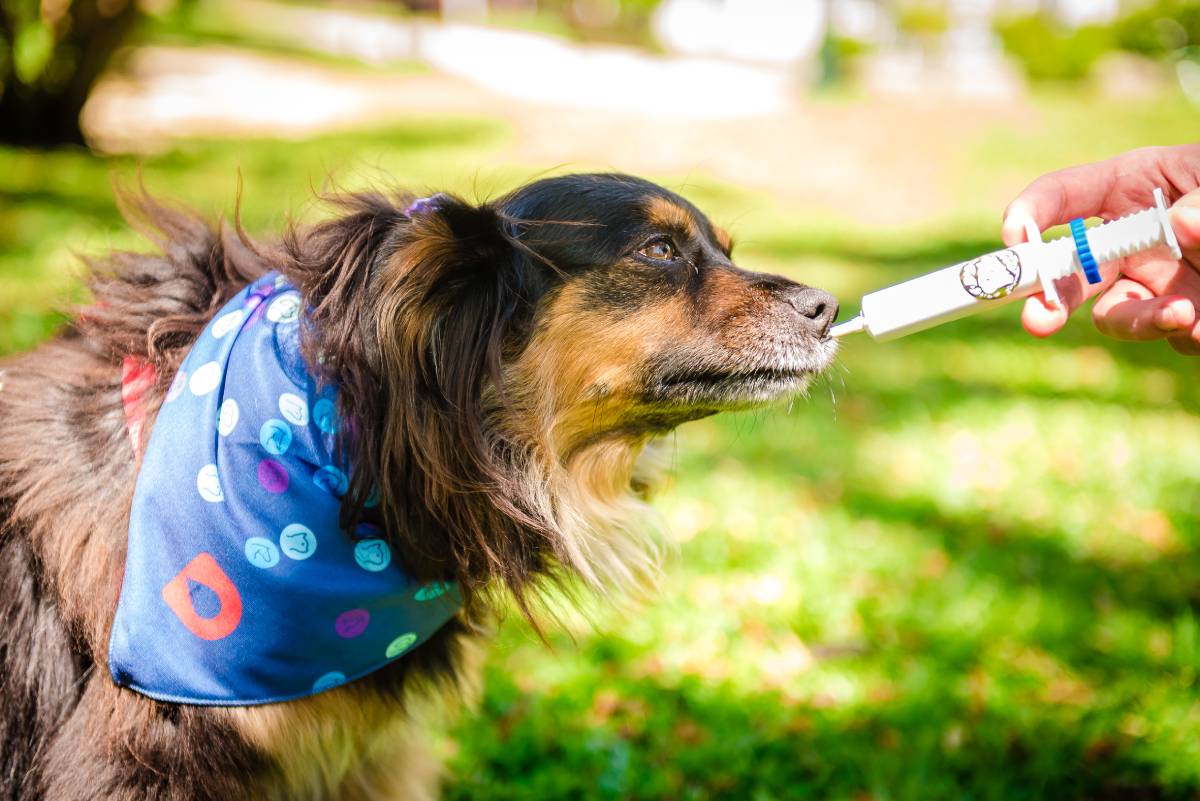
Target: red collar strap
x=137, y=377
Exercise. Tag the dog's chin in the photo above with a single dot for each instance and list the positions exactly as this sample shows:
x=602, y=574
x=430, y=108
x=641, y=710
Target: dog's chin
x=756, y=380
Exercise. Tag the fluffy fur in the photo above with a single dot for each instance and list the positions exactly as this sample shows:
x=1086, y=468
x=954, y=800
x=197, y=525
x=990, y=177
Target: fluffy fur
x=502, y=367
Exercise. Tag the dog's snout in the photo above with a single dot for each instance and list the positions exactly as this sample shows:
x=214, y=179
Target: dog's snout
x=816, y=307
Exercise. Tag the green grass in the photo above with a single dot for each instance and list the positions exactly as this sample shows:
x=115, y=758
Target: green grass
x=967, y=568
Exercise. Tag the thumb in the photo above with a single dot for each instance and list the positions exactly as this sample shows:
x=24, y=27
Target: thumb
x=1185, y=219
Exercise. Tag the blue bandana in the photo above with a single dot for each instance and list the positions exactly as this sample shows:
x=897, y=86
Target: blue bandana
x=240, y=587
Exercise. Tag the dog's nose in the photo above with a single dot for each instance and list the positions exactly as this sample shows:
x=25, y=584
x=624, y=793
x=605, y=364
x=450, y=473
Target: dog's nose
x=816, y=307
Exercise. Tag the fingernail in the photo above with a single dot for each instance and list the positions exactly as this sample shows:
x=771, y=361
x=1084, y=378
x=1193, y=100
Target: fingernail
x=1165, y=320
x=1189, y=217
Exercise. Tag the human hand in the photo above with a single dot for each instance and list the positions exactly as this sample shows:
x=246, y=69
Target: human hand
x=1146, y=296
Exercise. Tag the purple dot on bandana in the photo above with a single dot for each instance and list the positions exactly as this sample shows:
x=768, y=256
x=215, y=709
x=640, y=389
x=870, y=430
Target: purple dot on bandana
x=351, y=623
x=257, y=314
x=177, y=385
x=272, y=475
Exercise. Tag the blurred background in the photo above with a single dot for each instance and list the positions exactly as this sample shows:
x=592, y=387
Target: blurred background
x=967, y=567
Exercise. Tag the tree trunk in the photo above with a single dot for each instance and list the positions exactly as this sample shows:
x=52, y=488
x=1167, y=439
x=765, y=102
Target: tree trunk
x=44, y=111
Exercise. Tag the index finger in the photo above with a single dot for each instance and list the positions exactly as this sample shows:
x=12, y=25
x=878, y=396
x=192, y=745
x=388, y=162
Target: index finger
x=1101, y=189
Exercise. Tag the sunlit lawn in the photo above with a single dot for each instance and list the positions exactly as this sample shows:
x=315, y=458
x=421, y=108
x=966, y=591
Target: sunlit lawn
x=966, y=568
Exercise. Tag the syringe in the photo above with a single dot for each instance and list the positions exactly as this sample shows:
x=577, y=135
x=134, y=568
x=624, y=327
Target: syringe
x=1005, y=275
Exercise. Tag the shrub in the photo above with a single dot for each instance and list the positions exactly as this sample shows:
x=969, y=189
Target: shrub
x=1047, y=51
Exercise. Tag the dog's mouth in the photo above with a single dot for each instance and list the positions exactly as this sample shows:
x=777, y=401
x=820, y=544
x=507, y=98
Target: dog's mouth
x=720, y=387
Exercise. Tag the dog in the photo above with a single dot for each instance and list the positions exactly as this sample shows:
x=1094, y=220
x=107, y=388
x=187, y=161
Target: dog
x=500, y=368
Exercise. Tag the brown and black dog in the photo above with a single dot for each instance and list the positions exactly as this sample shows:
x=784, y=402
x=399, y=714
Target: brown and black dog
x=502, y=365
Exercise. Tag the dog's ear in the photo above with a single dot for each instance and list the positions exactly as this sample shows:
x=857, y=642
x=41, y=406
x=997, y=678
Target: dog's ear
x=451, y=292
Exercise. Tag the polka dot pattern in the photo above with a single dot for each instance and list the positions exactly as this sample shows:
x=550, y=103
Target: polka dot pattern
x=205, y=379
x=227, y=323
x=352, y=623
x=227, y=418
x=242, y=481
x=400, y=645
x=293, y=408
x=261, y=552
x=275, y=436
x=328, y=681
x=430, y=591
x=332, y=480
x=298, y=542
x=208, y=484
x=373, y=555
x=324, y=414
x=273, y=476
x=285, y=308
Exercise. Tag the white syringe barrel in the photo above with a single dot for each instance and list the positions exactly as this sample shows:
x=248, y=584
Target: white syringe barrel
x=1004, y=275
x=953, y=292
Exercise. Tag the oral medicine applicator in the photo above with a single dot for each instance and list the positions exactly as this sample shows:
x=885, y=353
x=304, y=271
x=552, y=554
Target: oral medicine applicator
x=1004, y=275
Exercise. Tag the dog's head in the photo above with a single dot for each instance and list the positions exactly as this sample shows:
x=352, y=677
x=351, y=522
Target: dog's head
x=505, y=363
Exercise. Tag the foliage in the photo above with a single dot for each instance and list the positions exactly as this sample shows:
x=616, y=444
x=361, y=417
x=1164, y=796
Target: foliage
x=922, y=19
x=1048, y=51
x=1160, y=28
x=968, y=567
x=50, y=55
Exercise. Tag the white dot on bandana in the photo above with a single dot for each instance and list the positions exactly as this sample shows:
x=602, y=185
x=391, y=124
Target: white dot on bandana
x=226, y=323
x=400, y=645
x=329, y=681
x=227, y=417
x=294, y=409
x=208, y=484
x=285, y=308
x=205, y=379
x=275, y=436
x=297, y=541
x=372, y=555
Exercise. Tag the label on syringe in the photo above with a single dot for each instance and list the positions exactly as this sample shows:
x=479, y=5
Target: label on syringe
x=949, y=293
x=992, y=276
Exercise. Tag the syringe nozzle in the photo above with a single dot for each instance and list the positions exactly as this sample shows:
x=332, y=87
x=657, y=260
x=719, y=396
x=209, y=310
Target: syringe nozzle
x=851, y=326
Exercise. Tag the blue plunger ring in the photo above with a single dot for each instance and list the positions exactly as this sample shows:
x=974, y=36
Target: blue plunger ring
x=1086, y=260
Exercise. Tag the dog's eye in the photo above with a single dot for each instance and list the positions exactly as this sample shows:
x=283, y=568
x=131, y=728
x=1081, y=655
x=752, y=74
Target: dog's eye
x=659, y=250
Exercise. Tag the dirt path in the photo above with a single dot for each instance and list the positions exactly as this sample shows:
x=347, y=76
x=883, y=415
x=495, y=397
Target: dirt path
x=890, y=162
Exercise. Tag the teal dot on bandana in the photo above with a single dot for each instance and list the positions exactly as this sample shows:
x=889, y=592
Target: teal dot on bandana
x=275, y=436
x=372, y=555
x=324, y=412
x=332, y=480
x=400, y=645
x=297, y=541
x=261, y=552
x=430, y=591
x=329, y=681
